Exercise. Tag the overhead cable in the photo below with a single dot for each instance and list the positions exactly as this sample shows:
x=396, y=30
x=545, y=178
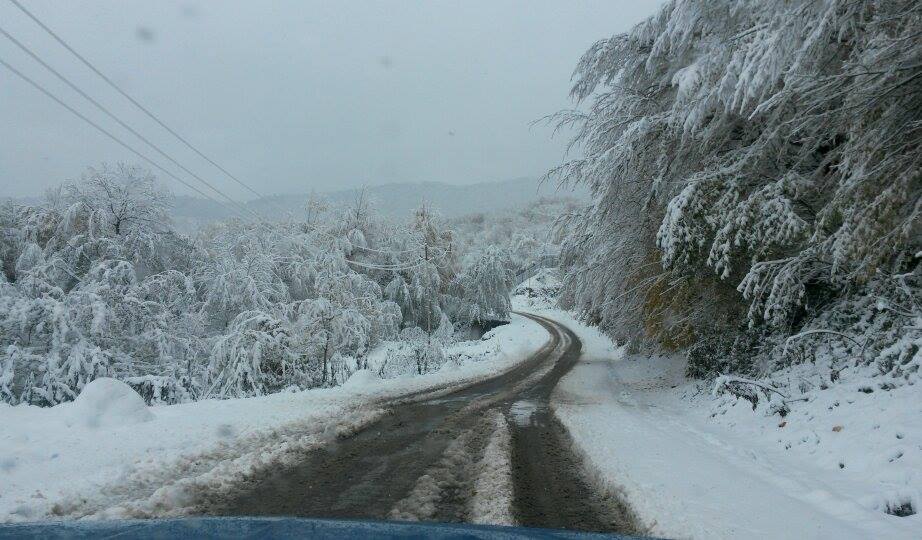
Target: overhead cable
x=127, y=96
x=120, y=122
x=108, y=134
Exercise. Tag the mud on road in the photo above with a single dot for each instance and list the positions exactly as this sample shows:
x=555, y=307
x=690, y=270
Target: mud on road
x=490, y=452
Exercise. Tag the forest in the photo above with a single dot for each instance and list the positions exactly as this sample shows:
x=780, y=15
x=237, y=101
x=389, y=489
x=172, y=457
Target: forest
x=96, y=283
x=755, y=171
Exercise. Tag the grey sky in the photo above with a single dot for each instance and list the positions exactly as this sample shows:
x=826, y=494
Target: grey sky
x=292, y=96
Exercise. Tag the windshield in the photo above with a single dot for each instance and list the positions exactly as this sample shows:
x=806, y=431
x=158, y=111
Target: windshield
x=638, y=267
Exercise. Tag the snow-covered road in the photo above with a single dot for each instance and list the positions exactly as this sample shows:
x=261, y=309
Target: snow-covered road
x=687, y=474
x=487, y=453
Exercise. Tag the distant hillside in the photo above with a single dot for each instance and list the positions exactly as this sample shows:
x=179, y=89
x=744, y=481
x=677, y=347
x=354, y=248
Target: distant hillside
x=394, y=200
x=391, y=200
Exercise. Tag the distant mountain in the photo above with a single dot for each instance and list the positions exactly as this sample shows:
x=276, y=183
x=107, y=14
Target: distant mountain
x=392, y=200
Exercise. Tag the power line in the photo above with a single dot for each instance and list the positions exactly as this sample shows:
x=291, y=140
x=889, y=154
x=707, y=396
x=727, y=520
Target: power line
x=419, y=263
x=381, y=251
x=109, y=81
x=388, y=252
x=111, y=115
x=107, y=133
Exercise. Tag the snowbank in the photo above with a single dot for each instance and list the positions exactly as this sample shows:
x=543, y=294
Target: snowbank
x=363, y=378
x=108, y=403
x=693, y=466
x=91, y=456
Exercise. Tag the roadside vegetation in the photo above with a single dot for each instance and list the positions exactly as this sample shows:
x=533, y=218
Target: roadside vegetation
x=755, y=171
x=96, y=283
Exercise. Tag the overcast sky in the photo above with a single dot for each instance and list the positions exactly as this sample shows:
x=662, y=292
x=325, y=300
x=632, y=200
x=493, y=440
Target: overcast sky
x=292, y=96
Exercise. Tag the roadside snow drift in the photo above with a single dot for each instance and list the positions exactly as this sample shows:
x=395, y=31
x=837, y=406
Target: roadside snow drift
x=839, y=465
x=108, y=403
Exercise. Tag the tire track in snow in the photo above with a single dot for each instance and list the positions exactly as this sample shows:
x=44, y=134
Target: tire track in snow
x=492, y=498
x=471, y=482
x=551, y=488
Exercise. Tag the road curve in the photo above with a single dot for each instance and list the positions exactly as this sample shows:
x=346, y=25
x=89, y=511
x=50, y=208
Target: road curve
x=421, y=460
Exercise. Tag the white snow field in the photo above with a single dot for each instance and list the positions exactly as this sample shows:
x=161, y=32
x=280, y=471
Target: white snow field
x=107, y=455
x=695, y=466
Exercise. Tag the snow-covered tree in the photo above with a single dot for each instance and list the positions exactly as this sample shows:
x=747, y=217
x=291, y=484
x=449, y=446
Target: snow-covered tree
x=485, y=282
x=8, y=360
x=95, y=282
x=436, y=242
x=750, y=162
x=116, y=212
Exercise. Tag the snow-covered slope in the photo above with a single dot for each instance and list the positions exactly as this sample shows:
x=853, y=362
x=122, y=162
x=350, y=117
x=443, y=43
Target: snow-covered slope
x=695, y=466
x=108, y=455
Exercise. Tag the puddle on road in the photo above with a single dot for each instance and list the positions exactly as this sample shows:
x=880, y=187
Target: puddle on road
x=455, y=398
x=523, y=412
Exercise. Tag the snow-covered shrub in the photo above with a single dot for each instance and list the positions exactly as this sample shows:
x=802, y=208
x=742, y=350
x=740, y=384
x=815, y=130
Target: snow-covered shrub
x=251, y=359
x=422, y=307
x=715, y=354
x=445, y=333
x=160, y=390
x=395, y=363
x=415, y=353
x=69, y=370
x=233, y=286
x=881, y=328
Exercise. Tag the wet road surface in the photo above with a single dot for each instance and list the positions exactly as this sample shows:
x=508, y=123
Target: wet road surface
x=420, y=461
